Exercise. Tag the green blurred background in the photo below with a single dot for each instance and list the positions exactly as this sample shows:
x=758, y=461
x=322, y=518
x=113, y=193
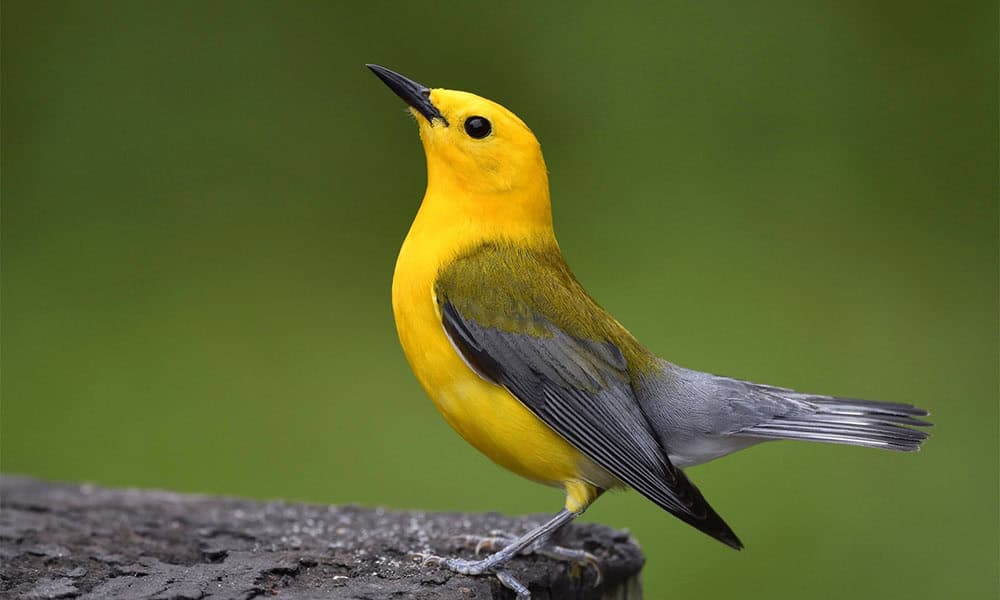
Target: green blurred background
x=202, y=203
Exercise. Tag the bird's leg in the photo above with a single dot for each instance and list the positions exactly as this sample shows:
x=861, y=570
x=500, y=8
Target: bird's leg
x=478, y=567
x=497, y=540
x=492, y=563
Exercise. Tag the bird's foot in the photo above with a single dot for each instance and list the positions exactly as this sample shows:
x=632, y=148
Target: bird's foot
x=490, y=564
x=498, y=540
x=458, y=565
x=510, y=546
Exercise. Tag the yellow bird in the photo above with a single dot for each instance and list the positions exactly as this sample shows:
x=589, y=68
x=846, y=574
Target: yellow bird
x=531, y=371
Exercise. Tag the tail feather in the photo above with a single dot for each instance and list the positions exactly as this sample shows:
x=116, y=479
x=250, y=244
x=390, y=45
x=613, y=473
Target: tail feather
x=700, y=417
x=844, y=421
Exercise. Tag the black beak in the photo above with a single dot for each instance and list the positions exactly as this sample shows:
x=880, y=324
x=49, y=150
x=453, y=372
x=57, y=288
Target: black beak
x=414, y=94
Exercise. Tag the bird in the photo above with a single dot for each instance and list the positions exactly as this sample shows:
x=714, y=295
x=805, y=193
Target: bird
x=535, y=374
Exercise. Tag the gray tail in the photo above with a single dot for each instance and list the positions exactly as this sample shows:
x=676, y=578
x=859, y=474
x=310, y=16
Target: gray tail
x=842, y=421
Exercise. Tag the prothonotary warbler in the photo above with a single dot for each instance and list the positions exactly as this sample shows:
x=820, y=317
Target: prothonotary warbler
x=536, y=375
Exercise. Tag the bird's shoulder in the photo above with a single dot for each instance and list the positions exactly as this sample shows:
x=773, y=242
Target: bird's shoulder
x=529, y=290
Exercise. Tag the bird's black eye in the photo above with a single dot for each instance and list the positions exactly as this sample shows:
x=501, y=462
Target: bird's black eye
x=477, y=127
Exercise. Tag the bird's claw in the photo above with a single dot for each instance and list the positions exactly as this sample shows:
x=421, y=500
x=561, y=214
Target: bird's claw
x=511, y=583
x=427, y=559
x=496, y=540
x=457, y=565
x=579, y=557
x=474, y=567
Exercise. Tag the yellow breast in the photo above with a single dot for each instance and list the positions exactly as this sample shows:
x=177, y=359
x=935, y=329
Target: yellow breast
x=486, y=415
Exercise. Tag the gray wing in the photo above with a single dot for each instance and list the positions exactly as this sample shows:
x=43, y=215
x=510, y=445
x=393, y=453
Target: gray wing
x=582, y=390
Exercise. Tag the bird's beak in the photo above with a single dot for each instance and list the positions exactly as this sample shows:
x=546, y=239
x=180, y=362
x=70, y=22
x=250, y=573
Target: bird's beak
x=414, y=94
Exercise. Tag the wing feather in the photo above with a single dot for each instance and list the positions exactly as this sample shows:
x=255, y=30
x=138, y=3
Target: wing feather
x=578, y=385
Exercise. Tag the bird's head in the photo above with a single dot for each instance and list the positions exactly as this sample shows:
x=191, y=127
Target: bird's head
x=479, y=154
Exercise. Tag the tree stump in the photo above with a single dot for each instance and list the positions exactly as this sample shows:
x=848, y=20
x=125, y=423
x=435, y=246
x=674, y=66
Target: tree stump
x=88, y=542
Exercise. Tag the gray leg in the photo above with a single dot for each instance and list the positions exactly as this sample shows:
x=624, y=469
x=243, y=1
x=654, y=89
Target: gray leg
x=478, y=567
x=491, y=563
x=542, y=547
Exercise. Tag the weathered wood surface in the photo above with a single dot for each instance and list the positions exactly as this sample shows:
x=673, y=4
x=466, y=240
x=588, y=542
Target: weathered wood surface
x=88, y=542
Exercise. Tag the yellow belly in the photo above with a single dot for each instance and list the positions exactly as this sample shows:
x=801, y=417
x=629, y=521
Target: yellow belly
x=486, y=415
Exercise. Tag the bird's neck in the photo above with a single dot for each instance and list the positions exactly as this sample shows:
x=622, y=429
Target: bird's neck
x=465, y=217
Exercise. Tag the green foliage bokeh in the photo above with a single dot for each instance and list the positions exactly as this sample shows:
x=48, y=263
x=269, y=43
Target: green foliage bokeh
x=202, y=203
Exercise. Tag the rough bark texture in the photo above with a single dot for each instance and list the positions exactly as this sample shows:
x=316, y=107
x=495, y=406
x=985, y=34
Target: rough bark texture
x=87, y=542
